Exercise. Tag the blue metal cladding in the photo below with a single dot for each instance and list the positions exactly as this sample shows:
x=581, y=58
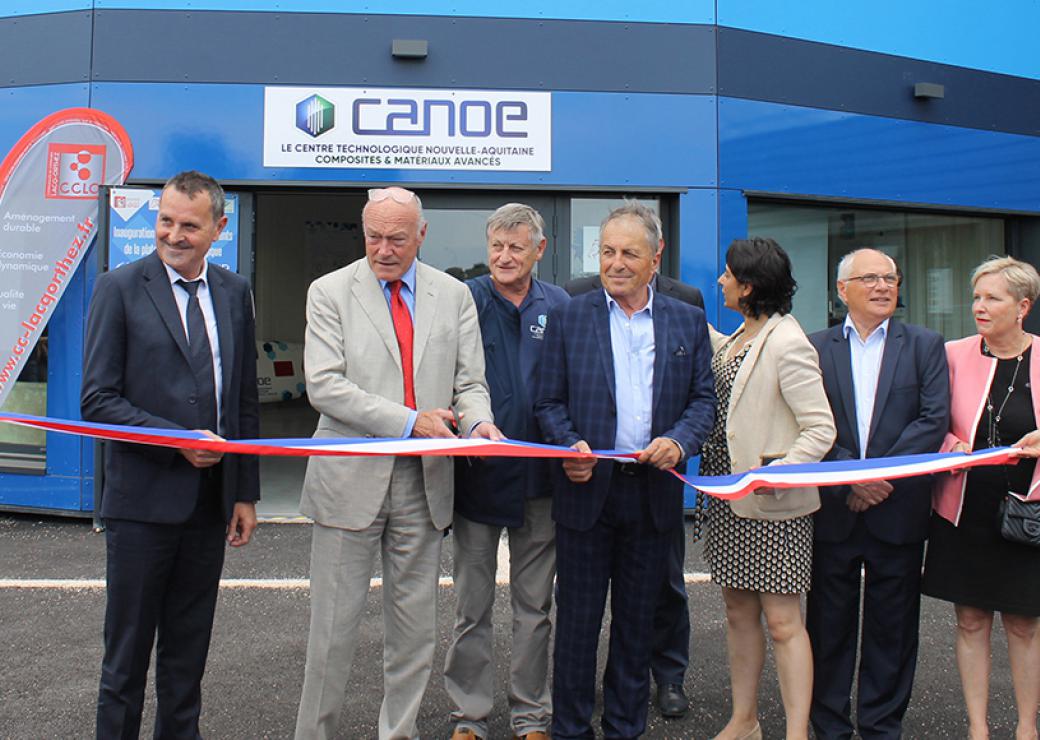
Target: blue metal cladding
x=37, y=7
x=732, y=224
x=804, y=151
x=664, y=11
x=698, y=260
x=998, y=36
x=21, y=107
x=599, y=139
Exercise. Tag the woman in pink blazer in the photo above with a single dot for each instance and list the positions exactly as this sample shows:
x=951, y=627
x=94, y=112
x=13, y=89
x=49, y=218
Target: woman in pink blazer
x=995, y=389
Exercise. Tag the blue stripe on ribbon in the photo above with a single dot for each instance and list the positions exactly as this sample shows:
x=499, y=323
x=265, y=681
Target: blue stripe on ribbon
x=830, y=473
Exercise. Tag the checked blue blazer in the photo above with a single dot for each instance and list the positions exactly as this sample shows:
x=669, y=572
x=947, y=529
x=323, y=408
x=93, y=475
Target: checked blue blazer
x=575, y=399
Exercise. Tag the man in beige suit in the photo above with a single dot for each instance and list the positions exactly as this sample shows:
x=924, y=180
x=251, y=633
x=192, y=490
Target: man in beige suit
x=392, y=349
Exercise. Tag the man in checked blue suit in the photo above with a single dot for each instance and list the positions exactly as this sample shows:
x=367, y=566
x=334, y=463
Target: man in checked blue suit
x=623, y=368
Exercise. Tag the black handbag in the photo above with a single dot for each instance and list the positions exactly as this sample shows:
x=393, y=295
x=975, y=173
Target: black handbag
x=1020, y=521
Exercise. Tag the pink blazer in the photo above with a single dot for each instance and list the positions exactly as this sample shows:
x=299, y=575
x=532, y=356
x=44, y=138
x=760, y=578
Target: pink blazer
x=971, y=373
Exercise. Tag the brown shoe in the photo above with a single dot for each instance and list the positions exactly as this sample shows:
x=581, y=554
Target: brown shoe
x=533, y=736
x=464, y=733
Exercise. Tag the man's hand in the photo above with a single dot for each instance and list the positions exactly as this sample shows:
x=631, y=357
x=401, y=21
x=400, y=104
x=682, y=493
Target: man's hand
x=203, y=458
x=487, y=430
x=579, y=470
x=1029, y=445
x=856, y=504
x=434, y=423
x=864, y=495
x=243, y=522
x=961, y=447
x=663, y=453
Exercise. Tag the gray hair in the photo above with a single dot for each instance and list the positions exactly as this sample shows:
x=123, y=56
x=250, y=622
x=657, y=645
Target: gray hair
x=1022, y=278
x=191, y=183
x=512, y=216
x=845, y=266
x=644, y=214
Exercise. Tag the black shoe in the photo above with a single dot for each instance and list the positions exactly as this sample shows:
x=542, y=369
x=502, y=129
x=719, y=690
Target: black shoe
x=671, y=700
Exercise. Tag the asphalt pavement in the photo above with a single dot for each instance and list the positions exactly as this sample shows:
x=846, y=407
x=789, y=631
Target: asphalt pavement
x=52, y=603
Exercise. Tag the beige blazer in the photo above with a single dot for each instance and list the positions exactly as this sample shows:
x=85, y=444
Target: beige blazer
x=352, y=366
x=778, y=408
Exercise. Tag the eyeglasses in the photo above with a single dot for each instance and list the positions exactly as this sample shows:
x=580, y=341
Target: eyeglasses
x=398, y=195
x=870, y=279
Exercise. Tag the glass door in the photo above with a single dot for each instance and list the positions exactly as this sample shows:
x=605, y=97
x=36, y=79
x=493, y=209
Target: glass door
x=581, y=224
x=456, y=239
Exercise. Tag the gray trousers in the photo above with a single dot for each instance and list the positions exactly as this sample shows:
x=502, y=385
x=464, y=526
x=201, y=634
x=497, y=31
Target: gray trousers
x=341, y=569
x=469, y=671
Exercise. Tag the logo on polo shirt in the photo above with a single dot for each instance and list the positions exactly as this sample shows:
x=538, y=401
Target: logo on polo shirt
x=538, y=331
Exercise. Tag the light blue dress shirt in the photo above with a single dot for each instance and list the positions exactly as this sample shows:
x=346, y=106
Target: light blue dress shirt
x=866, y=367
x=632, y=345
x=408, y=296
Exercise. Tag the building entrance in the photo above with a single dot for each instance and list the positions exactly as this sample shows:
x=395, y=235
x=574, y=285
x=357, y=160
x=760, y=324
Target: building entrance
x=303, y=234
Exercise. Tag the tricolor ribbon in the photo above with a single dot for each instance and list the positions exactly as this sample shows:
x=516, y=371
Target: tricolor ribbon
x=832, y=473
x=845, y=472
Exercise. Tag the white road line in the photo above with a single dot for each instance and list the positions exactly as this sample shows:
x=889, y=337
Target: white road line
x=274, y=584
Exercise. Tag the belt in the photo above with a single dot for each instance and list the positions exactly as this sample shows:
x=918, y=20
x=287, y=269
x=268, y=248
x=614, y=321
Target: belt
x=630, y=468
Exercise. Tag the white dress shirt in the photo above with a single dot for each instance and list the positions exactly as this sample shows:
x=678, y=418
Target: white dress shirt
x=866, y=367
x=206, y=303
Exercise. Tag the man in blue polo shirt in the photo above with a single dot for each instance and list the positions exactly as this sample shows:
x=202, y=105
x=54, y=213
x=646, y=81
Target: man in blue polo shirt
x=493, y=493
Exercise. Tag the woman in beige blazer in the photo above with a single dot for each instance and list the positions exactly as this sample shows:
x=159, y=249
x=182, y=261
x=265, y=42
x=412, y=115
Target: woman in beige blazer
x=772, y=410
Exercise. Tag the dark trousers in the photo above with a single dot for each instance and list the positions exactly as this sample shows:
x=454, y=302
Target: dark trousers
x=891, y=613
x=162, y=579
x=625, y=553
x=671, y=648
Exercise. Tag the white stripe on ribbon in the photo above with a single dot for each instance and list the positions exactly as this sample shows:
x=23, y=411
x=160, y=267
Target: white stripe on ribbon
x=844, y=472
x=831, y=473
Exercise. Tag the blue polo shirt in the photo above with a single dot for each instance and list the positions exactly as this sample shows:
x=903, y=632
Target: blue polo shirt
x=492, y=491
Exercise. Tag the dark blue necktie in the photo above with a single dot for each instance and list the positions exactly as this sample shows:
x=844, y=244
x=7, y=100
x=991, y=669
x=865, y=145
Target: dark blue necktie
x=201, y=355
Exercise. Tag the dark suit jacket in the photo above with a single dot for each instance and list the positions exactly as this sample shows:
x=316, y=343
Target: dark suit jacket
x=665, y=286
x=576, y=399
x=911, y=416
x=136, y=372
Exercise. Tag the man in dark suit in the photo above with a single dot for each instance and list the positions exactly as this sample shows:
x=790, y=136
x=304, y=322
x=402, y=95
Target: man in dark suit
x=629, y=369
x=170, y=344
x=670, y=653
x=888, y=386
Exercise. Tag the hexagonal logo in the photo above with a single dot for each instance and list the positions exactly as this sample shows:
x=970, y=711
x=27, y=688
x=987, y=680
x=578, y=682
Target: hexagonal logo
x=315, y=115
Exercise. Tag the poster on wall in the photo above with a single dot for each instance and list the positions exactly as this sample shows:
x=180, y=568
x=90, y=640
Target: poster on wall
x=376, y=128
x=131, y=231
x=49, y=188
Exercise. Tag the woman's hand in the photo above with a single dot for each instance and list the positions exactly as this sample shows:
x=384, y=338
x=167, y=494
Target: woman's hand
x=961, y=447
x=1029, y=445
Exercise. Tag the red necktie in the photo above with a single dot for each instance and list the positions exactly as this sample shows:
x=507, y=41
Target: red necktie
x=403, y=330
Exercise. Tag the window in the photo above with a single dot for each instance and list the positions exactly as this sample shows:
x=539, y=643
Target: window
x=24, y=449
x=586, y=215
x=936, y=253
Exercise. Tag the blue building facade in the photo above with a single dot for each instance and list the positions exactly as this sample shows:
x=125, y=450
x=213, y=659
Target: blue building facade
x=910, y=126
